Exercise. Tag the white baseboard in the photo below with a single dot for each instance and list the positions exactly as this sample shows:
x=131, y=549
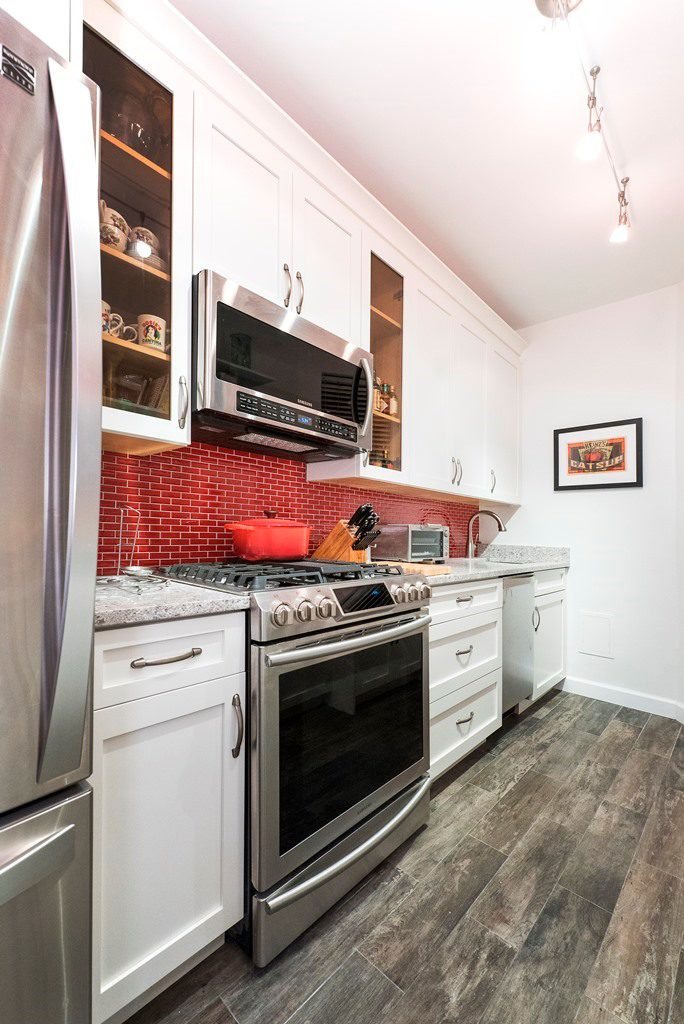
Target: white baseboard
x=627, y=698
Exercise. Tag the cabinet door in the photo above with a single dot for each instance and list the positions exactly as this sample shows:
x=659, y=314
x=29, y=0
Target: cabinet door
x=326, y=253
x=168, y=835
x=429, y=395
x=469, y=401
x=503, y=428
x=549, y=641
x=243, y=201
x=146, y=186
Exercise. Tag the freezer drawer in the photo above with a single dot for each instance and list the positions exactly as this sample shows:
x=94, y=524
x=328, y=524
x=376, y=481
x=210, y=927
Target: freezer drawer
x=45, y=911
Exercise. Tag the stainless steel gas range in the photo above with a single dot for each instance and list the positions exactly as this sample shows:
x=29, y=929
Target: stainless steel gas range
x=338, y=730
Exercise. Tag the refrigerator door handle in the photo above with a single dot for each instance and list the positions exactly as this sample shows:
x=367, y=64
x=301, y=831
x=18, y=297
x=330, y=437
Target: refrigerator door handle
x=30, y=867
x=66, y=673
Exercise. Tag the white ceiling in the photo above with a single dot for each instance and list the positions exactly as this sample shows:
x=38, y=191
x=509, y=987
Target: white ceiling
x=462, y=116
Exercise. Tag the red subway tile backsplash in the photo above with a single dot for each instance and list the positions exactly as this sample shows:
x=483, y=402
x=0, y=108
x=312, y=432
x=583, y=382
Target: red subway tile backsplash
x=185, y=496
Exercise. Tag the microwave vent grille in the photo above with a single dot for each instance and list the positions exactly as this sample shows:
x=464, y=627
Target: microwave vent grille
x=275, y=442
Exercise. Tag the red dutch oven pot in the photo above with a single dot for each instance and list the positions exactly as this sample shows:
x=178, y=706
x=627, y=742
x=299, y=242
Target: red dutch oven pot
x=270, y=539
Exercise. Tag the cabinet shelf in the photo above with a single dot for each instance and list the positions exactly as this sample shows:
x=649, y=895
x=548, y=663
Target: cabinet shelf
x=127, y=161
x=386, y=416
x=388, y=319
x=147, y=360
x=109, y=250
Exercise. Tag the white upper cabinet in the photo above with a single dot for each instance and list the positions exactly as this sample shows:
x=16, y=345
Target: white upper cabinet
x=430, y=374
x=470, y=404
x=146, y=183
x=326, y=260
x=243, y=202
x=503, y=425
x=266, y=224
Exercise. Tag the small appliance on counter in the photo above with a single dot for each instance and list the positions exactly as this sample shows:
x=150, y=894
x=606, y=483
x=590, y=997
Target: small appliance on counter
x=270, y=381
x=412, y=542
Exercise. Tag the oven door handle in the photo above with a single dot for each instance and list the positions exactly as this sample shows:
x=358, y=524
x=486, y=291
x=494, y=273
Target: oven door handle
x=303, y=654
x=285, y=899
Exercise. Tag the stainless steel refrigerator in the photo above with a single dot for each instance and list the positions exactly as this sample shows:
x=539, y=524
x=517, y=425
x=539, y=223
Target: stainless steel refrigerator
x=50, y=375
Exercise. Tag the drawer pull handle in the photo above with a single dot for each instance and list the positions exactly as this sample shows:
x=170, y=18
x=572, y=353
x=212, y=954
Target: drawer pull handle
x=466, y=650
x=466, y=599
x=241, y=724
x=538, y=614
x=465, y=721
x=194, y=652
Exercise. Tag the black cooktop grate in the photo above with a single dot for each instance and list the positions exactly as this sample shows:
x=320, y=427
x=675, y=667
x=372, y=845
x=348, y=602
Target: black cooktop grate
x=272, y=575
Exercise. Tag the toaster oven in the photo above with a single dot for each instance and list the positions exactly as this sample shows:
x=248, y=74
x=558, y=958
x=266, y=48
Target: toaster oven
x=412, y=542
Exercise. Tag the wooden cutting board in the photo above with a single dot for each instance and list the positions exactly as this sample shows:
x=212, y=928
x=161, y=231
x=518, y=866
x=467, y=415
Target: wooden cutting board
x=426, y=568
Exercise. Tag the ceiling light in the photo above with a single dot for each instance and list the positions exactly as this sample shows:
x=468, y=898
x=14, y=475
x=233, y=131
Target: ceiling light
x=590, y=145
x=620, y=232
x=556, y=8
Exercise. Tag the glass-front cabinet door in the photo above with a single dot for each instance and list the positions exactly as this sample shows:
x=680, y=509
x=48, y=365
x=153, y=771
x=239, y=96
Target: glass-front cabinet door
x=145, y=235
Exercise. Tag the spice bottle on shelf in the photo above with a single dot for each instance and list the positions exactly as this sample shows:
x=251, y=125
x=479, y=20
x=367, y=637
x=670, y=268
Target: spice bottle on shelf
x=377, y=394
x=393, y=402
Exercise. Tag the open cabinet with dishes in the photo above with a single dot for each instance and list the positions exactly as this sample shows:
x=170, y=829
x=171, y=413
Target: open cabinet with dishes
x=386, y=340
x=144, y=350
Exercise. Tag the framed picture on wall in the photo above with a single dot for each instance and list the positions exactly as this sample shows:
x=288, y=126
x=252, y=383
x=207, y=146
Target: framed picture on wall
x=598, y=455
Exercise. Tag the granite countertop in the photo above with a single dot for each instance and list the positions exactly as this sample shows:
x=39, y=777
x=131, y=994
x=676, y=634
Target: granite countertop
x=115, y=607
x=118, y=607
x=502, y=560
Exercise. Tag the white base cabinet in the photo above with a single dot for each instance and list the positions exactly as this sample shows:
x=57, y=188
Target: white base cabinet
x=465, y=669
x=549, y=641
x=168, y=830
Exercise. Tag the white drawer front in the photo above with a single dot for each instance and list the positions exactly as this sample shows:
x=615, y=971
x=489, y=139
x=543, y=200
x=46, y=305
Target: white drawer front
x=549, y=580
x=453, y=601
x=461, y=721
x=189, y=650
x=462, y=650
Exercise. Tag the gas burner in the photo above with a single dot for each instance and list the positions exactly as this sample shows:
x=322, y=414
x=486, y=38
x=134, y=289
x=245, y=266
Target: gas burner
x=273, y=575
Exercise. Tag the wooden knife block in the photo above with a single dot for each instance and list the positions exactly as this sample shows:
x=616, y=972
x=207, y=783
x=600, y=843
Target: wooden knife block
x=337, y=546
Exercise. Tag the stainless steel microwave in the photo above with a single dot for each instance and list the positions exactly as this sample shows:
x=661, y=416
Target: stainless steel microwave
x=412, y=542
x=268, y=380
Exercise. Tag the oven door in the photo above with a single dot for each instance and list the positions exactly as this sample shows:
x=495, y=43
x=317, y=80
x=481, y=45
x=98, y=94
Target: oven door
x=339, y=726
x=260, y=363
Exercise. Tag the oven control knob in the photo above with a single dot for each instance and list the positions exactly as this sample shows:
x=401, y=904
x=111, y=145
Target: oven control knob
x=326, y=608
x=399, y=594
x=412, y=592
x=425, y=592
x=305, y=611
x=282, y=614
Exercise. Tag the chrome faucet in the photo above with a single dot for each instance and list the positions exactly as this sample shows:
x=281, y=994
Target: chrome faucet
x=482, y=512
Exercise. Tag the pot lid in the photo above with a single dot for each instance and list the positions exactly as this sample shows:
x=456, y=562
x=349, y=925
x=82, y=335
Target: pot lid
x=264, y=523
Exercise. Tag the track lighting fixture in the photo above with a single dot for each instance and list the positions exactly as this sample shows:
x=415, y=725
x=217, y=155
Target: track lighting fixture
x=620, y=232
x=591, y=143
x=594, y=140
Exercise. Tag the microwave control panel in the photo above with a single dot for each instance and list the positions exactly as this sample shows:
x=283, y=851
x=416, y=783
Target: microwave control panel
x=267, y=409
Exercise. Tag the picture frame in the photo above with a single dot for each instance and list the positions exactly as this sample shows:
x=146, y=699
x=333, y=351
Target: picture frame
x=598, y=456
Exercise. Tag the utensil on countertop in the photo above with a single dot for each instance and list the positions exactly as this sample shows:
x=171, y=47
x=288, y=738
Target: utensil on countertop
x=361, y=512
x=365, y=541
x=367, y=524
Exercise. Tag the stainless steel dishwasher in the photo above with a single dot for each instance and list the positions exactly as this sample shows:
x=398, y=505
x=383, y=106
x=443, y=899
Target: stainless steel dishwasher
x=518, y=639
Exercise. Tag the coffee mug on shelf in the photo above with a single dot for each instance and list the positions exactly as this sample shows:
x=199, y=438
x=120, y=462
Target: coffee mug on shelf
x=128, y=332
x=152, y=331
x=110, y=216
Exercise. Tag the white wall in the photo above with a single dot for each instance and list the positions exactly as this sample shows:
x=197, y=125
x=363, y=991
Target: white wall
x=614, y=362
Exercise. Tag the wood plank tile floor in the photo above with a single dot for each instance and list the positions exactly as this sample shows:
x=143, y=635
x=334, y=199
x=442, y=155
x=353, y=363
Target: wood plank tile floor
x=548, y=888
